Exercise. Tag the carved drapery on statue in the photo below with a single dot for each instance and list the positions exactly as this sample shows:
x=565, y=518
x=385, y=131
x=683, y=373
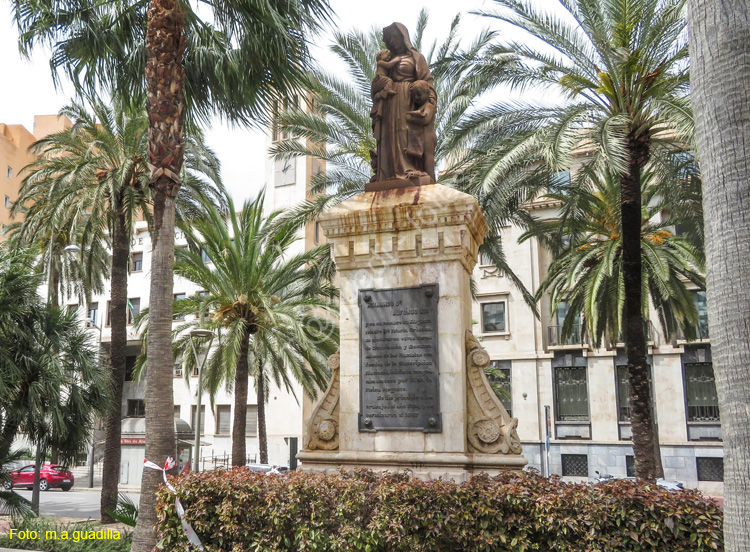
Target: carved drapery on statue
x=403, y=115
x=489, y=428
x=323, y=428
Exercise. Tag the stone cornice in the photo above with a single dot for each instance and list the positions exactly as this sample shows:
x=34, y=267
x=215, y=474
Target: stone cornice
x=413, y=208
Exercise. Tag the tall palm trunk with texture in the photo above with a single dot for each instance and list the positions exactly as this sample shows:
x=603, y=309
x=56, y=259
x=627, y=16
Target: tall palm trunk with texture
x=165, y=80
x=118, y=320
x=239, y=429
x=644, y=445
x=720, y=80
x=262, y=437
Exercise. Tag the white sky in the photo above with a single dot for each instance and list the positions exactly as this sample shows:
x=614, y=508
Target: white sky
x=26, y=87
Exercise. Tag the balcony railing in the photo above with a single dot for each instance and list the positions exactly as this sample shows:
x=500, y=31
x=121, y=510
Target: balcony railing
x=576, y=337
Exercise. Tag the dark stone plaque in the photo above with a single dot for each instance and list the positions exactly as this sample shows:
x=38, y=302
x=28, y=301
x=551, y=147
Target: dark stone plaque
x=398, y=359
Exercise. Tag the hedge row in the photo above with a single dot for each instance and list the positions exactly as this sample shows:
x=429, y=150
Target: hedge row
x=241, y=511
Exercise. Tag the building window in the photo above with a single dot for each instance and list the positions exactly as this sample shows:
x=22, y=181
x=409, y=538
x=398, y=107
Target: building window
x=700, y=391
x=93, y=313
x=499, y=378
x=555, y=330
x=134, y=307
x=223, y=412
x=571, y=394
x=179, y=297
x=9, y=173
x=710, y=468
x=575, y=465
x=630, y=465
x=204, y=256
x=136, y=408
x=203, y=418
x=129, y=367
x=73, y=309
x=493, y=317
x=699, y=300
x=251, y=420
x=559, y=182
x=7, y=202
x=177, y=370
x=136, y=262
x=485, y=259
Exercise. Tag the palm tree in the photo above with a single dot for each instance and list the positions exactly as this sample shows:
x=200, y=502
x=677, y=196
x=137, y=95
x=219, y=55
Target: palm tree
x=719, y=36
x=53, y=386
x=587, y=272
x=270, y=307
x=620, y=69
x=94, y=178
x=19, y=282
x=235, y=59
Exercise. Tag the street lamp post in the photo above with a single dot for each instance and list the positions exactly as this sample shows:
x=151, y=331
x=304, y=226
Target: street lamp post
x=200, y=334
x=89, y=324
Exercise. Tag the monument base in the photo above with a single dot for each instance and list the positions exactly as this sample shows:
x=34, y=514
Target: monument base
x=423, y=465
x=408, y=388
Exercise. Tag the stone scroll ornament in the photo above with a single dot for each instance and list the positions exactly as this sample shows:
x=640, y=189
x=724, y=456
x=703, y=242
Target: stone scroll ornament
x=323, y=428
x=489, y=428
x=403, y=115
x=190, y=533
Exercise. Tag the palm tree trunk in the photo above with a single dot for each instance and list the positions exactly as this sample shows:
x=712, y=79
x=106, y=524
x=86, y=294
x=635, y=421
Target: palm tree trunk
x=38, y=461
x=720, y=80
x=262, y=436
x=645, y=448
x=165, y=81
x=118, y=320
x=239, y=429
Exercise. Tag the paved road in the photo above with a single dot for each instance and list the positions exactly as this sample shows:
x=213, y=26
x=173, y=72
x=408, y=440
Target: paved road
x=75, y=503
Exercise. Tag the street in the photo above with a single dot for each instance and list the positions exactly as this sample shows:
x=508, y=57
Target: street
x=76, y=503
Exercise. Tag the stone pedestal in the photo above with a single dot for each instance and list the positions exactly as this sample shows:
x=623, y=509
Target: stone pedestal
x=404, y=238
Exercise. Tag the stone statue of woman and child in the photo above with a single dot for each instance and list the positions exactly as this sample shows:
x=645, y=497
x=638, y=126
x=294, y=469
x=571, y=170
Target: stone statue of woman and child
x=403, y=115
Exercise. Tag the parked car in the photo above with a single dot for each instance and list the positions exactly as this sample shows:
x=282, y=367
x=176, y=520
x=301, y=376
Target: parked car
x=269, y=469
x=669, y=485
x=50, y=475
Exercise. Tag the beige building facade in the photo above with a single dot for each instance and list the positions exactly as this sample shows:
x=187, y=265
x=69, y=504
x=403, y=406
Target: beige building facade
x=15, y=141
x=578, y=395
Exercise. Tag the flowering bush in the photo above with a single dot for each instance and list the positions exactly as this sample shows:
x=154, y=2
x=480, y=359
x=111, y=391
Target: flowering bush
x=239, y=511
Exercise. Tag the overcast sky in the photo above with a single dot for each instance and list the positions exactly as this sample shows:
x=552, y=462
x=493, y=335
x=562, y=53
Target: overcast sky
x=27, y=87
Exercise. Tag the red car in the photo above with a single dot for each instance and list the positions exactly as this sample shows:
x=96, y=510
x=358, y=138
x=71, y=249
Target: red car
x=50, y=475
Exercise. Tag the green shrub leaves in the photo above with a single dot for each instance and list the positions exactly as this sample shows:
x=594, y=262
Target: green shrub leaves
x=241, y=511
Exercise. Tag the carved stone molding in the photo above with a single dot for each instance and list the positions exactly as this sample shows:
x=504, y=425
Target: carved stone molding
x=489, y=428
x=323, y=427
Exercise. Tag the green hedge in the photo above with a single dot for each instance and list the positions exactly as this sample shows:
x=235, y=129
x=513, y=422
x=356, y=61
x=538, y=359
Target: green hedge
x=241, y=511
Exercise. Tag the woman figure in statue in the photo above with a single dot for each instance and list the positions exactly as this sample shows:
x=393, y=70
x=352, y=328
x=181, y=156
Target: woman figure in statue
x=404, y=117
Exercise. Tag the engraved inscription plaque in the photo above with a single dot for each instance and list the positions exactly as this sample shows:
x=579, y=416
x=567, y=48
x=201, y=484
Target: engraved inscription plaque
x=398, y=359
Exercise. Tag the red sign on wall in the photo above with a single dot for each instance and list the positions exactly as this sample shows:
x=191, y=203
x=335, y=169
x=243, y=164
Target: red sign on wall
x=133, y=441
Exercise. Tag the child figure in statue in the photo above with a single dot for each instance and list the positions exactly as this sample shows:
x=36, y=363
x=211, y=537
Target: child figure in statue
x=382, y=86
x=421, y=139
